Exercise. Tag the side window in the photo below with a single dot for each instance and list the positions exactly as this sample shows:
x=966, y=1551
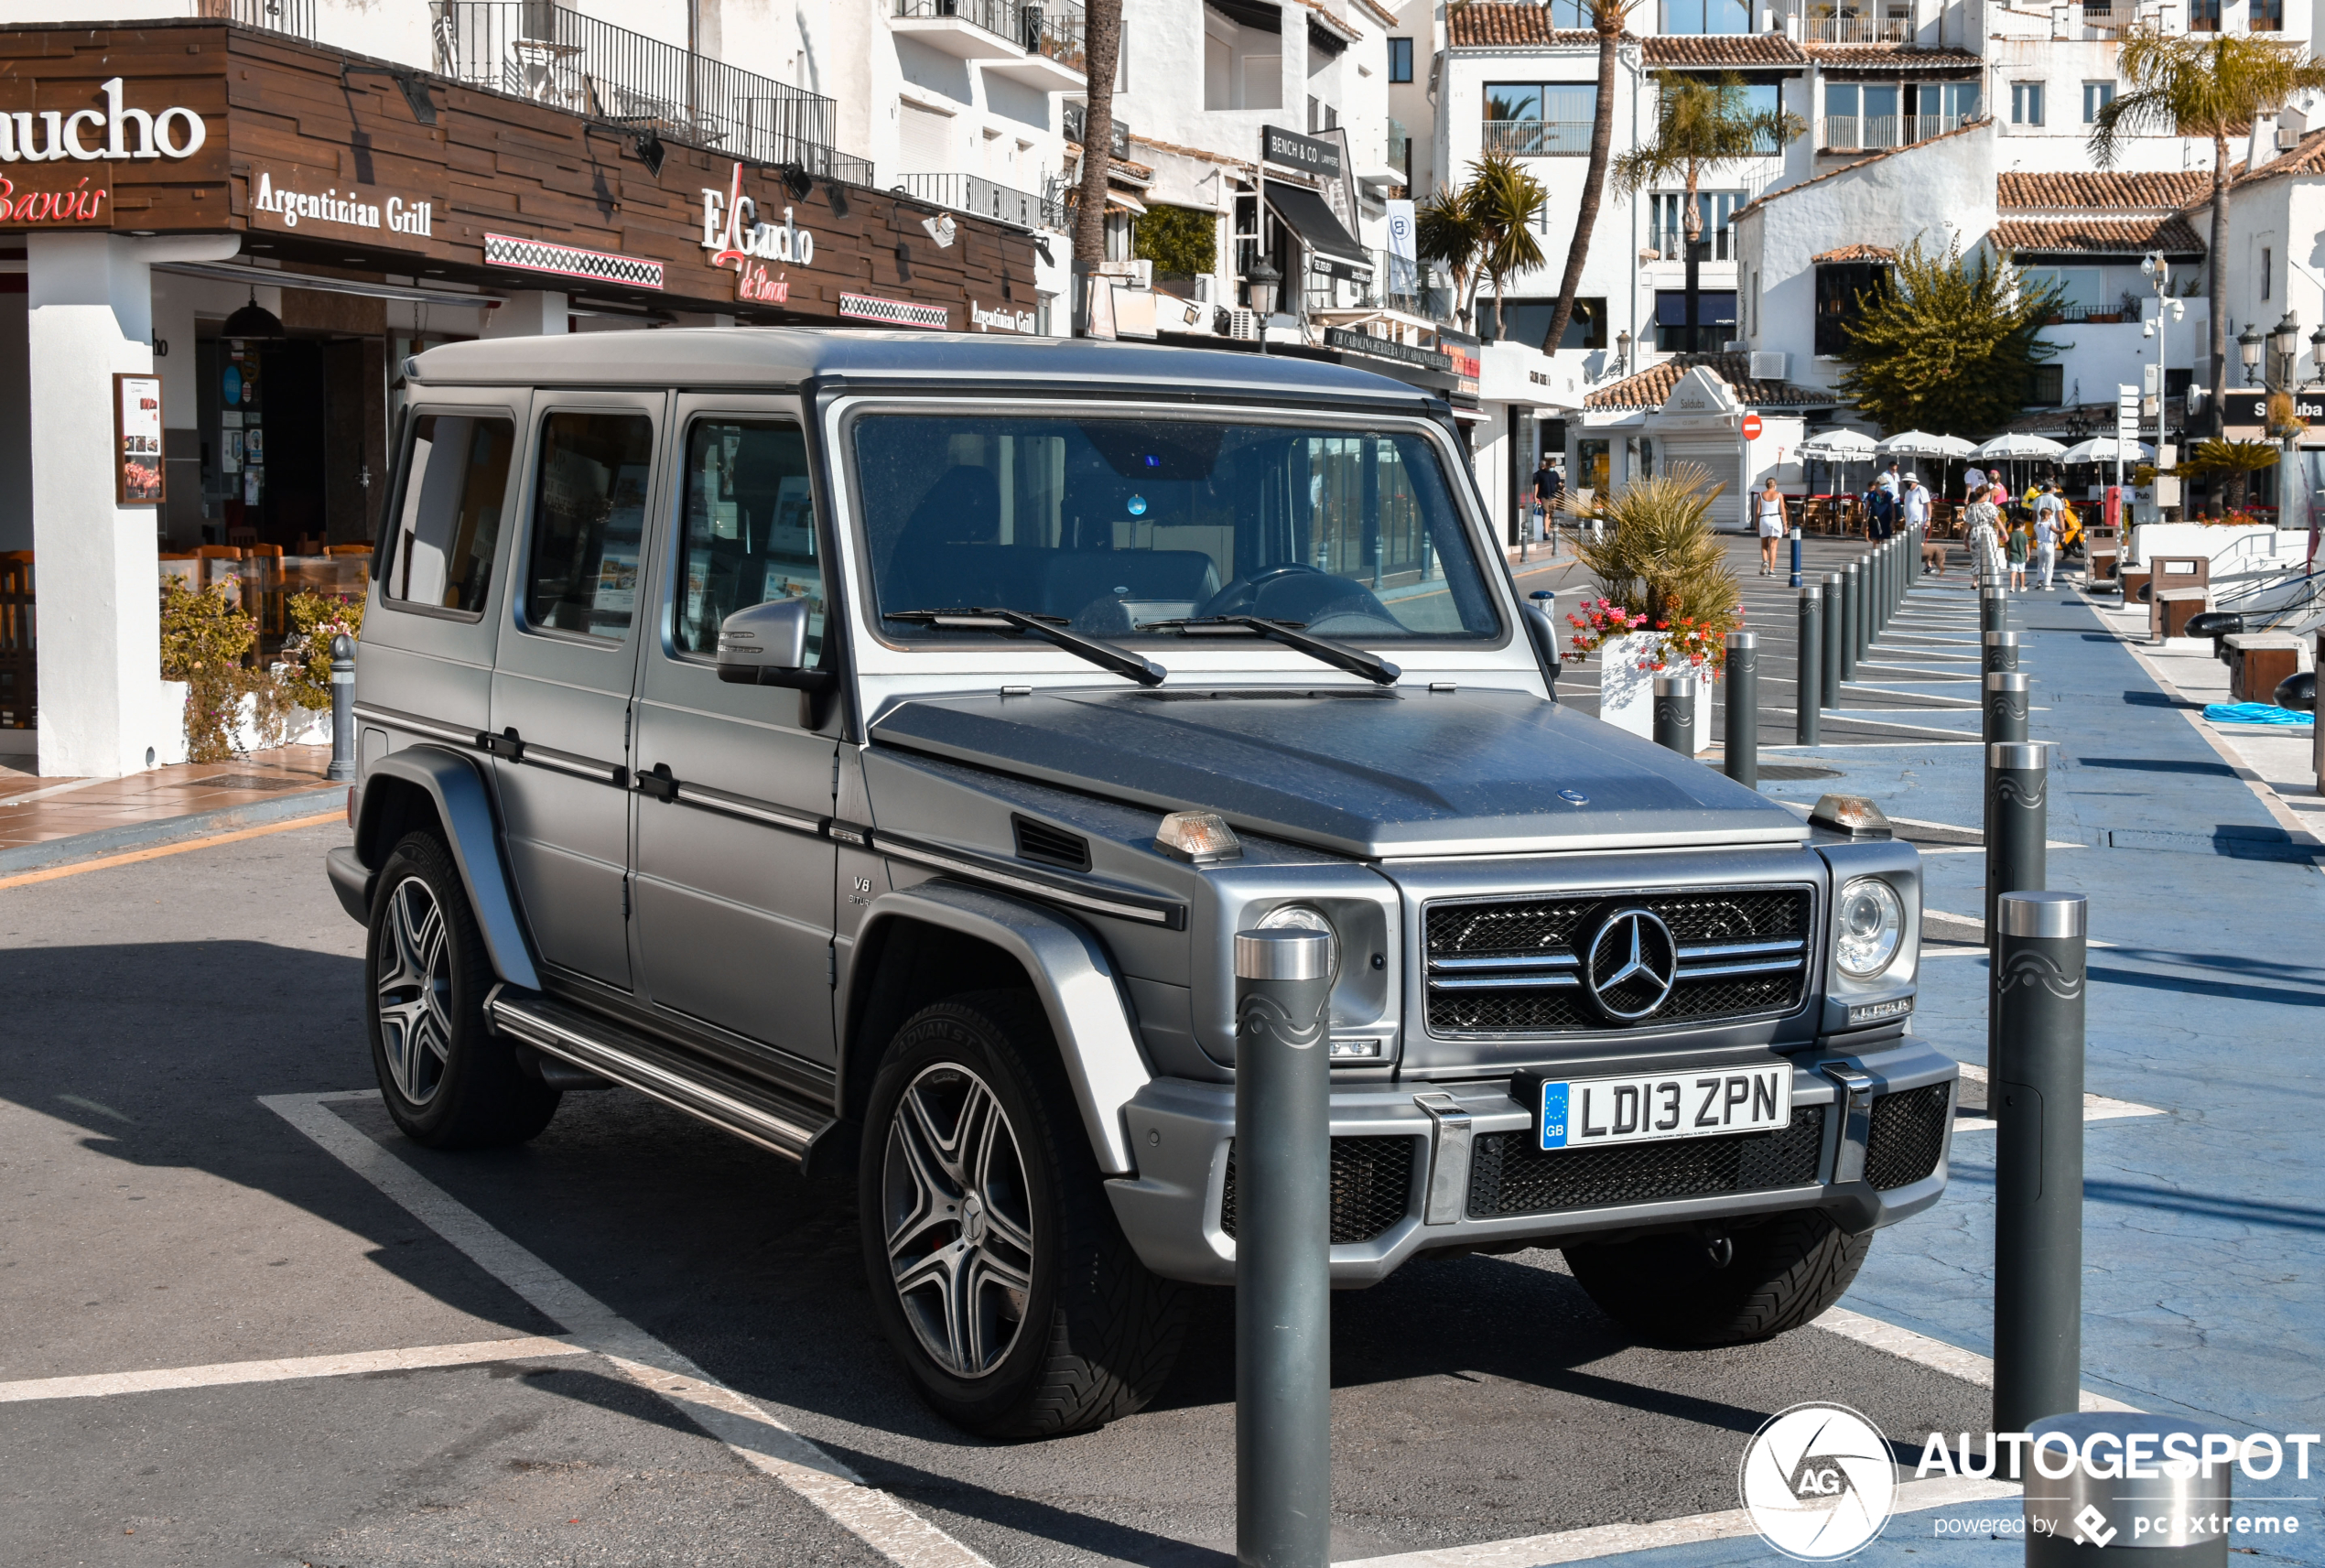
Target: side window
x=589, y=521
x=455, y=486
x=750, y=531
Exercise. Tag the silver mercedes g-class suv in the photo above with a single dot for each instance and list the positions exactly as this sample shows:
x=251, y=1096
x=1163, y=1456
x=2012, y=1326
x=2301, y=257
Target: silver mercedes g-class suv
x=871, y=744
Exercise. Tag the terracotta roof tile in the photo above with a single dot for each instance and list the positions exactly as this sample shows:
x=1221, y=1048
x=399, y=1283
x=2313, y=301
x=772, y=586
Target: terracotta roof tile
x=1489, y=22
x=1650, y=388
x=1763, y=199
x=1858, y=254
x=1721, y=51
x=1890, y=56
x=2117, y=192
x=2103, y=236
x=2305, y=157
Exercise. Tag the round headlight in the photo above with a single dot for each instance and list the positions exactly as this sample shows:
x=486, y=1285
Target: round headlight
x=1302, y=917
x=1872, y=927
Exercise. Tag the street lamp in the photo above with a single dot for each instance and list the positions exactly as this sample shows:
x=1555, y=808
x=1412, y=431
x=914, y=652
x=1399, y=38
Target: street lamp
x=1623, y=349
x=1263, y=279
x=2248, y=350
x=2317, y=350
x=2286, y=341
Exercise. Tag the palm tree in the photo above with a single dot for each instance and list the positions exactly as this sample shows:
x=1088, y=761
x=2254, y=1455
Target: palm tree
x=1448, y=233
x=2201, y=84
x=1701, y=128
x=1606, y=19
x=1102, y=47
x=1504, y=197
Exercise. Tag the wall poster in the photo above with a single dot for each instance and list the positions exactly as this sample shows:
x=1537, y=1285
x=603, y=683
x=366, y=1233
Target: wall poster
x=137, y=432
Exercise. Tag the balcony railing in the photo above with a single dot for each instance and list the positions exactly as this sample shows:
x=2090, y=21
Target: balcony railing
x=550, y=54
x=1055, y=30
x=295, y=18
x=982, y=198
x=1876, y=132
x=1535, y=138
x=1859, y=31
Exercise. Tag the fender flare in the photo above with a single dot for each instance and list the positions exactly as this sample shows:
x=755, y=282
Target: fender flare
x=1088, y=1014
x=464, y=805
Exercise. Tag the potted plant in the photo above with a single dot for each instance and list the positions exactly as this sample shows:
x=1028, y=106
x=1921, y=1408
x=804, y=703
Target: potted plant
x=1667, y=599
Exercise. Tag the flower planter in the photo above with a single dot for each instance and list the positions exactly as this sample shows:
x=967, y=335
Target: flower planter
x=1627, y=692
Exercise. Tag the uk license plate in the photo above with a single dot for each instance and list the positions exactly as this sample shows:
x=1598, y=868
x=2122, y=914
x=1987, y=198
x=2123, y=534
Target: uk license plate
x=1588, y=1112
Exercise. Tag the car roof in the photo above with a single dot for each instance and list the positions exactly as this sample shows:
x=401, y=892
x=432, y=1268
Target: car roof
x=787, y=356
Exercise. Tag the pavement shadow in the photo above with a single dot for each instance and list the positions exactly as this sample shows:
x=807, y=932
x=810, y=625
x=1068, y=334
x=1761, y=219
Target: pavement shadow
x=2158, y=765
x=160, y=1051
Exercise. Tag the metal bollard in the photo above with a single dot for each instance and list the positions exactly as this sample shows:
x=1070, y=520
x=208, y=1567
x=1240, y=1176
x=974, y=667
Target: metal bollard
x=1743, y=715
x=2034, y=1091
x=1852, y=612
x=1808, y=669
x=2018, y=819
x=1795, y=555
x=2007, y=704
x=1993, y=608
x=1675, y=713
x=1283, y=1248
x=1835, y=617
x=2167, y=1517
x=2001, y=652
x=342, y=768
x=1863, y=608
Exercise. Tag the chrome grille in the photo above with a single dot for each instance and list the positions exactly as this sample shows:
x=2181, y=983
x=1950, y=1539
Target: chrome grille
x=1515, y=966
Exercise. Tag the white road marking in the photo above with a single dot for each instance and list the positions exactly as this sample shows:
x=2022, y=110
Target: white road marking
x=882, y=1522
x=1935, y=1354
x=2095, y=1107
x=1613, y=1540
x=53, y=790
x=224, y=1374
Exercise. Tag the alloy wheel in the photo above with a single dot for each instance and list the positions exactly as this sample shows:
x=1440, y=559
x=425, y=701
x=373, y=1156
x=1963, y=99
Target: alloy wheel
x=413, y=990
x=959, y=1229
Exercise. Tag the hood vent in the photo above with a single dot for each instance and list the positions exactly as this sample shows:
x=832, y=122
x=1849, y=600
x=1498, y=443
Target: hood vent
x=1047, y=845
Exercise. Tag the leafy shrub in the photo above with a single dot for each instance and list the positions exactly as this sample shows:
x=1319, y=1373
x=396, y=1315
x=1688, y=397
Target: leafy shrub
x=203, y=641
x=315, y=620
x=1178, y=240
x=1658, y=552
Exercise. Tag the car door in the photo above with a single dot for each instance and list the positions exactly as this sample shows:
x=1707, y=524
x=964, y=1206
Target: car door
x=568, y=661
x=734, y=875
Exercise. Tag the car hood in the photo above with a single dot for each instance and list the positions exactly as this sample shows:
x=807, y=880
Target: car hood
x=1411, y=773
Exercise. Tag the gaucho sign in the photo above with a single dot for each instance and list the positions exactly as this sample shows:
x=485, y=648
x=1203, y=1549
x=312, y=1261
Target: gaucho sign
x=733, y=233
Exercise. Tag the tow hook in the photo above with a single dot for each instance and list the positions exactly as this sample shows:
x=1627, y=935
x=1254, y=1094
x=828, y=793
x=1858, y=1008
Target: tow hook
x=1719, y=1250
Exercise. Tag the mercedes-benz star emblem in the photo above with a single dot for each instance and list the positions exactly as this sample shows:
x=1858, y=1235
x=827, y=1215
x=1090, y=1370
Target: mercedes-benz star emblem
x=1632, y=963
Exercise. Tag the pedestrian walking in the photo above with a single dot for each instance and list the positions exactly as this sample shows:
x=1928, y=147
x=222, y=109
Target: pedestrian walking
x=2017, y=551
x=1974, y=485
x=1981, y=518
x=1775, y=522
x=2046, y=546
x=1549, y=485
x=1913, y=511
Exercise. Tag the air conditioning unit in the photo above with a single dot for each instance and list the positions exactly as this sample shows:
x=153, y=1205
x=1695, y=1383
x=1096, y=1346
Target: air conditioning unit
x=1771, y=364
x=1244, y=326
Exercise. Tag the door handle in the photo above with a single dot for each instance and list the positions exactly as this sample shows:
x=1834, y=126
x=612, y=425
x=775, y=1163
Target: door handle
x=507, y=744
x=659, y=783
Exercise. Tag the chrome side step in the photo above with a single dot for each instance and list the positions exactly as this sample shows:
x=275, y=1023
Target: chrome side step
x=748, y=1109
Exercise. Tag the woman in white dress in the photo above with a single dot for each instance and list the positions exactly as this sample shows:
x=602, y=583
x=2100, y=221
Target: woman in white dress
x=1775, y=522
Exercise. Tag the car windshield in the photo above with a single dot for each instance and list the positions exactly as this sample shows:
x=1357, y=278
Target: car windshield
x=1113, y=525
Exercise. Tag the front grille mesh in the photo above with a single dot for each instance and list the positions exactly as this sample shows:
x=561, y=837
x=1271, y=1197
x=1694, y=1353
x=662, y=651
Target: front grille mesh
x=1557, y=928
x=1371, y=1187
x=1508, y=1174
x=1907, y=1136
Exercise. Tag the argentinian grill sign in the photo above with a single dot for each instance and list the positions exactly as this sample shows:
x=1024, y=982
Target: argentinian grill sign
x=347, y=208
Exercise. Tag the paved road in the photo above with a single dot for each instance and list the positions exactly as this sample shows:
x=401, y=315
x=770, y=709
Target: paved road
x=156, y=1215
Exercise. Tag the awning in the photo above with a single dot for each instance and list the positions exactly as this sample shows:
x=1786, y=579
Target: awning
x=1305, y=213
x=1123, y=201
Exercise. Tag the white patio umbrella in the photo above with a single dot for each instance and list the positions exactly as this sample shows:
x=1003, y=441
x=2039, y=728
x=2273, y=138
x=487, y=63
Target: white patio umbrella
x=1951, y=446
x=2018, y=444
x=2103, y=450
x=1840, y=446
x=1913, y=444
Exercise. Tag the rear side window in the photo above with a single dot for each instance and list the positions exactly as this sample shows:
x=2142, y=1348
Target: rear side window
x=750, y=531
x=589, y=521
x=454, y=492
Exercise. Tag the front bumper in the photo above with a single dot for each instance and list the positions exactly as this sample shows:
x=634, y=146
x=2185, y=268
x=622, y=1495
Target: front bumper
x=1182, y=1131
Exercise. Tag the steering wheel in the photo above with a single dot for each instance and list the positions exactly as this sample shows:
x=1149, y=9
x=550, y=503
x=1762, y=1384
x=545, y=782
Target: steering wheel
x=1241, y=596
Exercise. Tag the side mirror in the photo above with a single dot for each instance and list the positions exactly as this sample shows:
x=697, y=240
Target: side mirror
x=767, y=645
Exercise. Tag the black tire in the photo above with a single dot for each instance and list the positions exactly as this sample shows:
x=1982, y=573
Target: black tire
x=1092, y=1334
x=449, y=1082
x=1782, y=1274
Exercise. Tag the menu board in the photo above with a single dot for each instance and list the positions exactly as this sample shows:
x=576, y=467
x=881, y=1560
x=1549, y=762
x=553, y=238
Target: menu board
x=137, y=439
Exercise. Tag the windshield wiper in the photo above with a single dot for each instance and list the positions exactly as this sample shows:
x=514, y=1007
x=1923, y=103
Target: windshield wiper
x=1051, y=628
x=1290, y=633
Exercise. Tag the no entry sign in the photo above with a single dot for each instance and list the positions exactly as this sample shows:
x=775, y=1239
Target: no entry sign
x=1751, y=427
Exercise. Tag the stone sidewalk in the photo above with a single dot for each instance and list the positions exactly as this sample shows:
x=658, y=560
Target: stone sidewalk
x=49, y=821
